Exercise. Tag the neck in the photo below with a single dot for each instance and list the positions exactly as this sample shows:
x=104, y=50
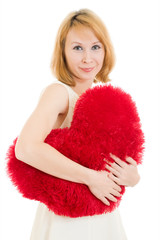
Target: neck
x=81, y=87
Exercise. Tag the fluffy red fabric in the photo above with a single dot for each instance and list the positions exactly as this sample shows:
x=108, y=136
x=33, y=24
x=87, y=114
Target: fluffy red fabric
x=105, y=121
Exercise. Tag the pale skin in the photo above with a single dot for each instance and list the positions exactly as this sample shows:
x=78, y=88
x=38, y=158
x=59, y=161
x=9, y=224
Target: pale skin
x=84, y=54
x=123, y=173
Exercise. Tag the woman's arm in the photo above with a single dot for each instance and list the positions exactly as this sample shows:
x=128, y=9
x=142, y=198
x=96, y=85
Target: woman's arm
x=31, y=149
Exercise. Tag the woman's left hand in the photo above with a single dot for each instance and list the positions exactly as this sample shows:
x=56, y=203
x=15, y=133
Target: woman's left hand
x=124, y=173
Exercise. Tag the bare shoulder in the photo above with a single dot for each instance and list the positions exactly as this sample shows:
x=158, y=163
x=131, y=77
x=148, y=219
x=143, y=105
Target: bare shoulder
x=54, y=87
x=52, y=103
x=55, y=95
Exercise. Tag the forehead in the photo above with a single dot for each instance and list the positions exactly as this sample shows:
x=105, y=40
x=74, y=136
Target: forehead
x=81, y=34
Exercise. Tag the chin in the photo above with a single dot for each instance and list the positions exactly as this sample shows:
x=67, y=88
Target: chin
x=87, y=77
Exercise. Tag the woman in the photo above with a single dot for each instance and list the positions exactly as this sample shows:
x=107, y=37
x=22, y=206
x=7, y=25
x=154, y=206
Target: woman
x=83, y=54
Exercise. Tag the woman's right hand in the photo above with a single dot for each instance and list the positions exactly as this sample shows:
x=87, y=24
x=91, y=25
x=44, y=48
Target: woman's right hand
x=103, y=187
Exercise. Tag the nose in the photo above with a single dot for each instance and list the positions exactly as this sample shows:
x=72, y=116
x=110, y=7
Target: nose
x=87, y=58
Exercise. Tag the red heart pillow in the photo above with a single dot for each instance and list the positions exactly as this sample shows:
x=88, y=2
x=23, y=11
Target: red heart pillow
x=105, y=120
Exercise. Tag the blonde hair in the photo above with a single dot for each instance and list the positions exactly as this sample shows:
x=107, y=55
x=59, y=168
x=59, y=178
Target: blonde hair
x=89, y=19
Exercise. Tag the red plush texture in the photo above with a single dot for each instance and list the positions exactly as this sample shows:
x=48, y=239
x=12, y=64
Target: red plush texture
x=105, y=120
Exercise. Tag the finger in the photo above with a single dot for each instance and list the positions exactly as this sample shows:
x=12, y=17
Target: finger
x=117, y=160
x=106, y=160
x=117, y=187
x=116, y=167
x=111, y=198
x=112, y=170
x=115, y=193
x=131, y=161
x=105, y=201
x=117, y=181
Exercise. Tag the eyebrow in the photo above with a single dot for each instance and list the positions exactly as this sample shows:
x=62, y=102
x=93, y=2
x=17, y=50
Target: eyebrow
x=82, y=43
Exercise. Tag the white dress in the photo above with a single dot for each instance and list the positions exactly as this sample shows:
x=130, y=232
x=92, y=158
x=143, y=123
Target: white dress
x=49, y=226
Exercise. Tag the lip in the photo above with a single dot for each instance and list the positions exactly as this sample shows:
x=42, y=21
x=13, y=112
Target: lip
x=87, y=69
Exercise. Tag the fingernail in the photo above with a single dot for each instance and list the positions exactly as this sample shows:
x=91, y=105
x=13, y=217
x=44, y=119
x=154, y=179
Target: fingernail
x=106, y=160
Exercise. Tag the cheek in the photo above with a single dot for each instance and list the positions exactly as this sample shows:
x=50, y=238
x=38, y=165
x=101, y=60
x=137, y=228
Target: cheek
x=72, y=59
x=100, y=59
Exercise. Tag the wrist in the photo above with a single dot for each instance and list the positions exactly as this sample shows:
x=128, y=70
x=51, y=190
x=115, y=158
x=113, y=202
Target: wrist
x=88, y=176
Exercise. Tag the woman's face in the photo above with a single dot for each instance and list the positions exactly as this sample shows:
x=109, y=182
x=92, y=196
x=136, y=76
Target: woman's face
x=84, y=53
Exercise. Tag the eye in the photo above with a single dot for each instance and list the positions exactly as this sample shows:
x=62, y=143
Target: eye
x=78, y=48
x=96, y=47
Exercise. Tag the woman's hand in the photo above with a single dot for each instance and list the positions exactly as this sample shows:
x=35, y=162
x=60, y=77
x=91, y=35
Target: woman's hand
x=103, y=187
x=124, y=173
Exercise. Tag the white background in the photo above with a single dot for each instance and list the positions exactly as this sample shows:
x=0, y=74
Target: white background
x=28, y=30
